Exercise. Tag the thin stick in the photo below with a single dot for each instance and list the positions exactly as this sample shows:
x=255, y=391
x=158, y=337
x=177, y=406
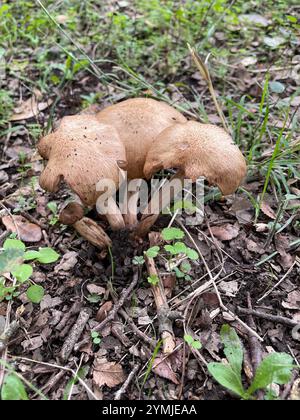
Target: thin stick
x=125, y=385
x=202, y=67
x=125, y=294
x=279, y=282
x=274, y=318
x=222, y=306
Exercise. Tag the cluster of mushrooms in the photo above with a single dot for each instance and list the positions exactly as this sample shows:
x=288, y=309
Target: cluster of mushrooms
x=142, y=136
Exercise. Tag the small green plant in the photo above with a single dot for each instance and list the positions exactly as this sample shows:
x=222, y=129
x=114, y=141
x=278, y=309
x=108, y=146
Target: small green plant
x=195, y=344
x=152, y=252
x=153, y=279
x=274, y=368
x=13, y=260
x=52, y=206
x=96, y=337
x=13, y=389
x=138, y=260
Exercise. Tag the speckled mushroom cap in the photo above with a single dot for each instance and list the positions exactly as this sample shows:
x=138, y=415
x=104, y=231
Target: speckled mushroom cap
x=139, y=121
x=198, y=150
x=81, y=152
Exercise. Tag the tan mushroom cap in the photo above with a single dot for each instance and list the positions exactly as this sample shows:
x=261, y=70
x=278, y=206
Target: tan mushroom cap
x=82, y=151
x=198, y=150
x=139, y=121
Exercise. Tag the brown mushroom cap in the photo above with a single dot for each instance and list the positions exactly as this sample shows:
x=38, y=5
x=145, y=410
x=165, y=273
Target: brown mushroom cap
x=71, y=213
x=198, y=150
x=139, y=121
x=82, y=151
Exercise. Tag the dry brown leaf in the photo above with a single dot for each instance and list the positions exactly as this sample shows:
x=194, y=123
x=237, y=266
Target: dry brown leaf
x=230, y=288
x=293, y=300
x=267, y=210
x=95, y=290
x=69, y=260
x=30, y=108
x=225, y=232
x=282, y=244
x=104, y=310
x=162, y=367
x=28, y=232
x=107, y=373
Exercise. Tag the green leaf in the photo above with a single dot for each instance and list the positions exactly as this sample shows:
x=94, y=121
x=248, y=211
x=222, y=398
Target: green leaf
x=52, y=206
x=185, y=267
x=23, y=272
x=232, y=348
x=97, y=340
x=14, y=244
x=179, y=274
x=180, y=248
x=31, y=255
x=276, y=87
x=274, y=368
x=138, y=260
x=47, y=256
x=192, y=254
x=35, y=293
x=169, y=234
x=10, y=259
x=227, y=377
x=188, y=339
x=13, y=389
x=154, y=279
x=152, y=252
x=94, y=298
x=170, y=249
x=196, y=345
x=94, y=334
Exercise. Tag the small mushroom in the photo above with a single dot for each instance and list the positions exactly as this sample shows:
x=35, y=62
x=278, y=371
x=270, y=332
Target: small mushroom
x=195, y=150
x=73, y=214
x=81, y=152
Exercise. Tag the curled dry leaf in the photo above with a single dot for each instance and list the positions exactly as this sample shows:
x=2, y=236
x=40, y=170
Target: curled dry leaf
x=107, y=373
x=162, y=367
x=267, y=210
x=230, y=288
x=68, y=262
x=225, y=232
x=293, y=300
x=27, y=232
x=30, y=108
x=104, y=310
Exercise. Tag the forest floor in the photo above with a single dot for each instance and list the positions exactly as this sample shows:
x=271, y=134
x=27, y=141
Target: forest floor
x=249, y=241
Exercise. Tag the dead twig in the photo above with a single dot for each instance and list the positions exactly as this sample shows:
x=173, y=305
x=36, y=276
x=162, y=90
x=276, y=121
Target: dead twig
x=163, y=310
x=7, y=334
x=125, y=385
x=125, y=294
x=74, y=334
x=269, y=317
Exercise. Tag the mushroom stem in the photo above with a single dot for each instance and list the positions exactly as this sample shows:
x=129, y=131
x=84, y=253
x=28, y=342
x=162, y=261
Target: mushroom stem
x=130, y=212
x=92, y=232
x=112, y=213
x=160, y=200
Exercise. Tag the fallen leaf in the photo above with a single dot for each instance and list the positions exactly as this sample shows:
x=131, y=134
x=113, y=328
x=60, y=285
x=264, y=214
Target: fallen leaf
x=255, y=18
x=95, y=290
x=230, y=288
x=267, y=210
x=68, y=261
x=248, y=61
x=282, y=245
x=49, y=302
x=253, y=246
x=225, y=232
x=273, y=42
x=163, y=368
x=104, y=310
x=107, y=373
x=28, y=232
x=32, y=343
x=30, y=108
x=292, y=301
